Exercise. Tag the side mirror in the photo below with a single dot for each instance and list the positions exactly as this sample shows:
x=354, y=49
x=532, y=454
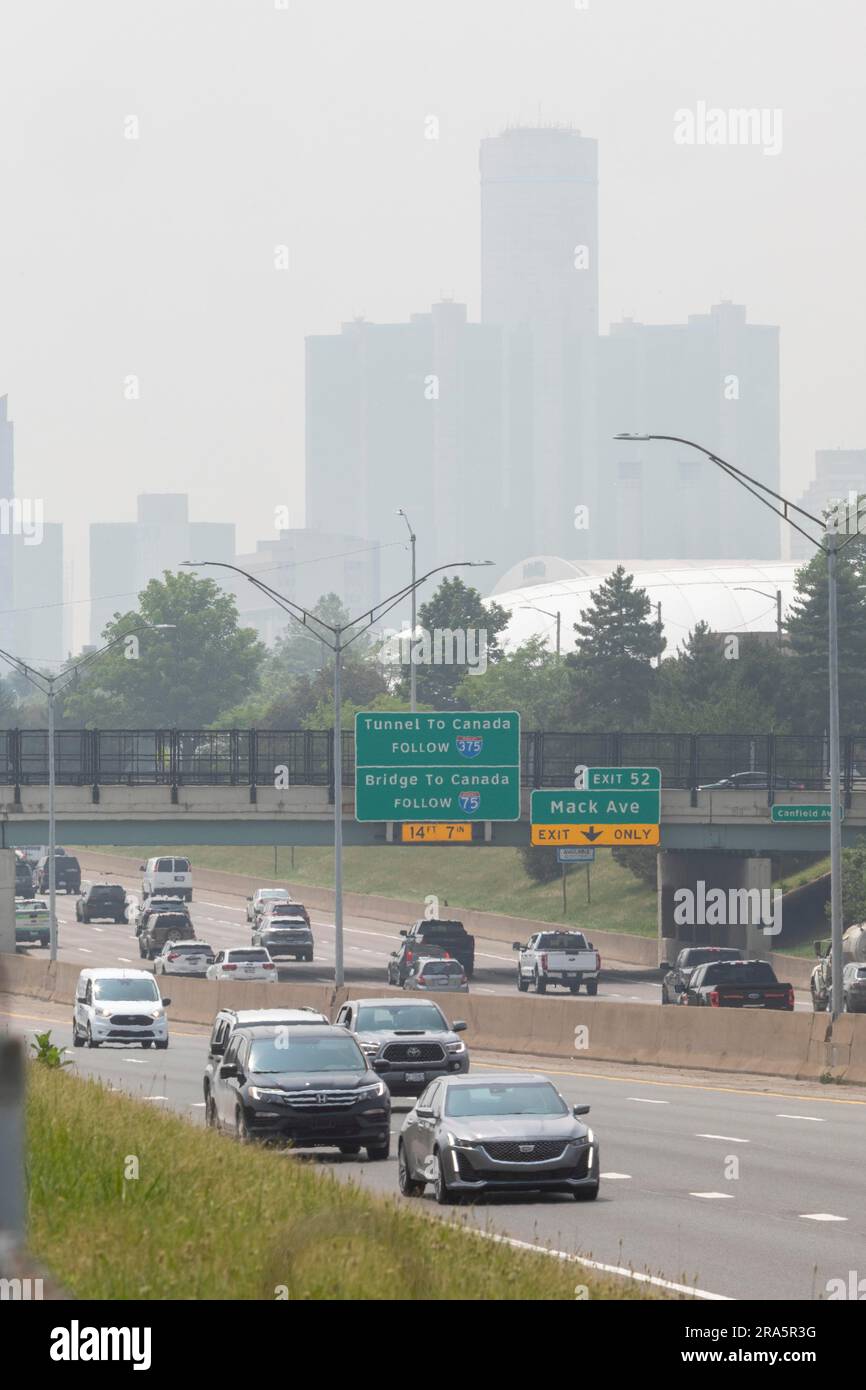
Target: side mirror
x=141, y=868
x=403, y=932
x=229, y=1069
x=590, y=946
x=424, y=1112
x=580, y=1110
x=516, y=946
x=458, y=1026
x=165, y=1003
x=665, y=965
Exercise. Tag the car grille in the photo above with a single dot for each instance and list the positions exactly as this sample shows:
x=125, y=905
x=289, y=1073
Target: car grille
x=130, y=1021
x=317, y=1100
x=414, y=1052
x=541, y=1150
x=470, y=1172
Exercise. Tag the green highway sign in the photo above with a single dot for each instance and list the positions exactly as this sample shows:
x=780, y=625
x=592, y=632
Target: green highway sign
x=573, y=807
x=458, y=765
x=796, y=815
x=623, y=779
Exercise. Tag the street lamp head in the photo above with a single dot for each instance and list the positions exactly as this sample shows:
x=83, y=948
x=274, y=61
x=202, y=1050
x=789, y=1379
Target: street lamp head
x=633, y=436
x=163, y=627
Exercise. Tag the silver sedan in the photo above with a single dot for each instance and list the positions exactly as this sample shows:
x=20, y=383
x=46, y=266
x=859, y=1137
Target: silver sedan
x=440, y=976
x=512, y=1133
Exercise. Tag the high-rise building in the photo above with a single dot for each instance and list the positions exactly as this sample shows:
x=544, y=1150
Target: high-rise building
x=38, y=626
x=539, y=283
x=839, y=473
x=408, y=415
x=126, y=555
x=714, y=380
x=304, y=565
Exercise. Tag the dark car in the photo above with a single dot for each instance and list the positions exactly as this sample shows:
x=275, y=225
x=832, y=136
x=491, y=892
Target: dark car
x=284, y=936
x=101, y=902
x=510, y=1132
x=758, y=781
x=67, y=874
x=23, y=879
x=408, y=1043
x=676, y=981
x=162, y=902
x=227, y=1020
x=738, y=984
x=854, y=988
x=402, y=962
x=161, y=927
x=447, y=938
x=312, y=1086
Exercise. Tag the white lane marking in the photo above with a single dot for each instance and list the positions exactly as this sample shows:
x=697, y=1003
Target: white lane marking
x=616, y=1177
x=134, y=1061
x=644, y=1100
x=126, y=959
x=153, y=1097
x=84, y=951
x=99, y=929
x=714, y=1196
x=816, y=1119
x=602, y=1268
x=821, y=1216
x=196, y=1105
x=727, y=1138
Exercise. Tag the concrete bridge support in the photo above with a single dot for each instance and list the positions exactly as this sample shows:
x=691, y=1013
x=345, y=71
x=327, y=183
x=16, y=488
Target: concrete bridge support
x=707, y=899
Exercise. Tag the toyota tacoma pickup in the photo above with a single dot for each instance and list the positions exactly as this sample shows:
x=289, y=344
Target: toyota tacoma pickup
x=557, y=958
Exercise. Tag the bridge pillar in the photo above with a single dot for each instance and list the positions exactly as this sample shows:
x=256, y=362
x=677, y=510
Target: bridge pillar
x=7, y=900
x=736, y=918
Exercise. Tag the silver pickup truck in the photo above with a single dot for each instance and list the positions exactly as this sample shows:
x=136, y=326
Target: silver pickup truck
x=557, y=958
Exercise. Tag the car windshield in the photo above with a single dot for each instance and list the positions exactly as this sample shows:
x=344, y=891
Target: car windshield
x=171, y=921
x=106, y=891
x=291, y=1053
x=562, y=941
x=247, y=955
x=386, y=1018
x=442, y=967
x=125, y=989
x=195, y=948
x=502, y=1098
x=752, y=973
x=694, y=958
x=277, y=895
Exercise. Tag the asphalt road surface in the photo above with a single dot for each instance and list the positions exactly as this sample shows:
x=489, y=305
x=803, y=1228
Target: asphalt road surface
x=220, y=919
x=738, y=1187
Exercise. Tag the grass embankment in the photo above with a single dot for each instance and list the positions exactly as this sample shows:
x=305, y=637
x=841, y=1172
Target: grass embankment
x=490, y=880
x=208, y=1219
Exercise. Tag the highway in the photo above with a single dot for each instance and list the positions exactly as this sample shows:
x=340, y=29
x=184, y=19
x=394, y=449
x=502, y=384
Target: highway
x=739, y=1187
x=220, y=919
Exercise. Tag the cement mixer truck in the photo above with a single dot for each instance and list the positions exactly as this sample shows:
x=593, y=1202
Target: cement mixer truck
x=853, y=950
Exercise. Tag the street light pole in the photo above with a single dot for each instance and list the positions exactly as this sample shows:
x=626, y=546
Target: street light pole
x=48, y=685
x=413, y=703
x=336, y=643
x=747, y=589
x=831, y=547
x=557, y=615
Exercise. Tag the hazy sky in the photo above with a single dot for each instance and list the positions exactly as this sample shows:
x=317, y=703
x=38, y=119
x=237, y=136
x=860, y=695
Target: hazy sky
x=302, y=122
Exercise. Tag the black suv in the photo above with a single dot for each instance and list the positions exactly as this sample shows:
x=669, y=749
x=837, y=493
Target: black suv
x=101, y=902
x=227, y=1020
x=67, y=874
x=312, y=1086
x=23, y=879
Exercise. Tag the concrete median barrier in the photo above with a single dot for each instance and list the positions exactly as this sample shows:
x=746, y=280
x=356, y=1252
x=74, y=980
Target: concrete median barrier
x=797, y=1046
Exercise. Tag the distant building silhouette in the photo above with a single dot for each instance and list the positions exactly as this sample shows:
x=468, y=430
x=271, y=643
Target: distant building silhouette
x=838, y=472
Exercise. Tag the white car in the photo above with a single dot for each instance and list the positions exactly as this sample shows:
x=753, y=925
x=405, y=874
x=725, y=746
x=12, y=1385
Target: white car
x=166, y=874
x=122, y=1006
x=184, y=958
x=255, y=904
x=242, y=963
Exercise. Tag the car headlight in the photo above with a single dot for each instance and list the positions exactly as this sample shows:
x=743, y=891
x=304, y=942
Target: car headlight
x=104, y=1013
x=455, y=1047
x=156, y=1013
x=368, y=1092
x=370, y=1048
x=456, y=1142
x=264, y=1093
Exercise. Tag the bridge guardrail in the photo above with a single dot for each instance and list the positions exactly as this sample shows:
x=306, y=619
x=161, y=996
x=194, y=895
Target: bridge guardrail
x=252, y=757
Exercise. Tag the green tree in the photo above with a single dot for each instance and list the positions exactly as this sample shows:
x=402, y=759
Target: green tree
x=540, y=863
x=180, y=679
x=701, y=691
x=455, y=608
x=853, y=886
x=808, y=637
x=611, y=671
x=531, y=680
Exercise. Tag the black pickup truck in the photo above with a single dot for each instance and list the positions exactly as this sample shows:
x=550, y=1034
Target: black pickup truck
x=738, y=984
x=447, y=938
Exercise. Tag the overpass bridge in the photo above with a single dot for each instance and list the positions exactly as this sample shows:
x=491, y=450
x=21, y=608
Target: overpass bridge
x=169, y=787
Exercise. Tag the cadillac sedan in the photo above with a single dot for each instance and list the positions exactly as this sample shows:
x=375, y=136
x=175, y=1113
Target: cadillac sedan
x=511, y=1133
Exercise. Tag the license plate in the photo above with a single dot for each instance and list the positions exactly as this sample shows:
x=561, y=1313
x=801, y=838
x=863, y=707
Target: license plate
x=415, y=1075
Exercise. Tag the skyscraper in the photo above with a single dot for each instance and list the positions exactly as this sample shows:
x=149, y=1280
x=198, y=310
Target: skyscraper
x=539, y=283
x=7, y=494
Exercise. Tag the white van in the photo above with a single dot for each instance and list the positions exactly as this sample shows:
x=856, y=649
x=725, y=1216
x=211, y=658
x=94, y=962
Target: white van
x=122, y=1006
x=166, y=874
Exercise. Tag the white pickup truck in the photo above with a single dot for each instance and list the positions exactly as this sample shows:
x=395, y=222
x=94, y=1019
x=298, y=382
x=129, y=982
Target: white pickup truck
x=557, y=958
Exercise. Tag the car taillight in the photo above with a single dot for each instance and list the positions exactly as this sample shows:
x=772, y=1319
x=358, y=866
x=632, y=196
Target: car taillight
x=789, y=1002
x=544, y=962
x=173, y=955
x=597, y=961
x=409, y=956
x=229, y=967
x=714, y=998
x=269, y=965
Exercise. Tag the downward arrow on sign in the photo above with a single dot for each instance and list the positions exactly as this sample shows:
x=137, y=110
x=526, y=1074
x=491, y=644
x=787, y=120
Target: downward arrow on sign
x=591, y=833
